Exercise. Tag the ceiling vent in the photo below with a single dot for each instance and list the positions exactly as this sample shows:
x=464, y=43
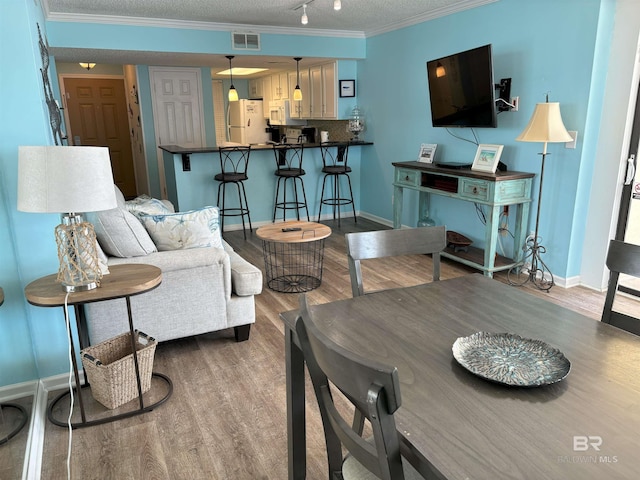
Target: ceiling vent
x=245, y=41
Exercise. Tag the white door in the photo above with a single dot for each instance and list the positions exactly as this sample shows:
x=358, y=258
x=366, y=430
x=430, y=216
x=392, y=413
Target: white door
x=177, y=111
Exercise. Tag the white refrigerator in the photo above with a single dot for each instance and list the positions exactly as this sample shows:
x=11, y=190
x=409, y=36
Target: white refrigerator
x=246, y=123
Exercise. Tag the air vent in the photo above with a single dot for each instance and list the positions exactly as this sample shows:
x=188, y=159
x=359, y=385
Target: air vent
x=245, y=41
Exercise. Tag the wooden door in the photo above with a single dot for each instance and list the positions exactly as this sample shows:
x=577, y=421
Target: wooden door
x=97, y=110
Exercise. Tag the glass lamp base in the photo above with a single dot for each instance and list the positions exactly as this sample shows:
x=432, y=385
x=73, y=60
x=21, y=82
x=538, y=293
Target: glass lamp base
x=77, y=253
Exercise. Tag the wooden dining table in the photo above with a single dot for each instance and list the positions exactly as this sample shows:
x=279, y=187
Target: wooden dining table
x=456, y=425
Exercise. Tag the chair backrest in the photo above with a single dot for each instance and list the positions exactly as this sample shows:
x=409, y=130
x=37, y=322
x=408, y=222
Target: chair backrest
x=334, y=154
x=289, y=156
x=372, y=387
x=621, y=258
x=234, y=159
x=391, y=243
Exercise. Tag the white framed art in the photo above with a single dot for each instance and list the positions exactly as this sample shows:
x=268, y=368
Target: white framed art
x=427, y=152
x=487, y=158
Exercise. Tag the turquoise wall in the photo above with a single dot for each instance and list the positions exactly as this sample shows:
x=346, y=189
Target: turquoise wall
x=548, y=47
x=544, y=46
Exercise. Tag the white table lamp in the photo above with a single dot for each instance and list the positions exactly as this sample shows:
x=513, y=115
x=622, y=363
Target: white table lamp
x=69, y=181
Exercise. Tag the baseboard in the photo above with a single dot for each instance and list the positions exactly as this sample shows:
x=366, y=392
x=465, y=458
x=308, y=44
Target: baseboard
x=18, y=390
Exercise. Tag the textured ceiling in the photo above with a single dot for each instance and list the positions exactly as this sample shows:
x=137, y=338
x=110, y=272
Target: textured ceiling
x=357, y=18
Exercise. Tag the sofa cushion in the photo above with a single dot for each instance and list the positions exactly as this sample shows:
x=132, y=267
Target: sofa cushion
x=183, y=230
x=146, y=205
x=120, y=234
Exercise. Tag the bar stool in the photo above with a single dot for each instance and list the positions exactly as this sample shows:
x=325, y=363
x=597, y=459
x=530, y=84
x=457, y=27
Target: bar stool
x=334, y=166
x=289, y=167
x=234, y=162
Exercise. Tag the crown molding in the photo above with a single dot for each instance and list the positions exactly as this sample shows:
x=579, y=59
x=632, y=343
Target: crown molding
x=432, y=15
x=195, y=25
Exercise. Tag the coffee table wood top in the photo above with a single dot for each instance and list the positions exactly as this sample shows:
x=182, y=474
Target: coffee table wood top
x=309, y=232
x=122, y=281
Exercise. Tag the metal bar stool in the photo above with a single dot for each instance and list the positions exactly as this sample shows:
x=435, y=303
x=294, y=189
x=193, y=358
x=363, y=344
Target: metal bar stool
x=234, y=162
x=334, y=166
x=289, y=167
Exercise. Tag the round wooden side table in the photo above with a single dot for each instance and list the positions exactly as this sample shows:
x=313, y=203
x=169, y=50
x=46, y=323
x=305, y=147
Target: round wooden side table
x=123, y=281
x=293, y=255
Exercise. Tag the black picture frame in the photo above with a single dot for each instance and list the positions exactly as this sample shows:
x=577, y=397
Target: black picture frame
x=347, y=88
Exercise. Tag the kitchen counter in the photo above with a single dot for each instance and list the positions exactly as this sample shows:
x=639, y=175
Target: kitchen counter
x=177, y=149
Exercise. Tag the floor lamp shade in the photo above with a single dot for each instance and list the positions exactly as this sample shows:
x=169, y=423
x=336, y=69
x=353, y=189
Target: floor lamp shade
x=68, y=181
x=545, y=125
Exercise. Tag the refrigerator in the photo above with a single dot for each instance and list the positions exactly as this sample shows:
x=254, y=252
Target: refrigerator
x=246, y=123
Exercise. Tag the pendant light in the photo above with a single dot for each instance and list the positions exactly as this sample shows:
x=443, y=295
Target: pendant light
x=304, y=20
x=297, y=93
x=233, y=93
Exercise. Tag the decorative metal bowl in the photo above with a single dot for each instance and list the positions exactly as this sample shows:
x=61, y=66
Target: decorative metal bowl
x=510, y=359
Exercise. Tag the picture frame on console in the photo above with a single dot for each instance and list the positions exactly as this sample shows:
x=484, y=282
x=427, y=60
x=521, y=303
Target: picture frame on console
x=487, y=158
x=427, y=152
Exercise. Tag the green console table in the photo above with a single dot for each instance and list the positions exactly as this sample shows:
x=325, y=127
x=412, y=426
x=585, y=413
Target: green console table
x=495, y=190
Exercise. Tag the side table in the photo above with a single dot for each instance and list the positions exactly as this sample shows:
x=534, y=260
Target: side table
x=293, y=255
x=123, y=281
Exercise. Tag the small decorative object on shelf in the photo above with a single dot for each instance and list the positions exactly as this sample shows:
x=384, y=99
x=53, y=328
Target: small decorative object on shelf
x=356, y=123
x=427, y=152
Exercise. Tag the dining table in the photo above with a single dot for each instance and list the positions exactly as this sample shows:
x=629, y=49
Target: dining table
x=455, y=424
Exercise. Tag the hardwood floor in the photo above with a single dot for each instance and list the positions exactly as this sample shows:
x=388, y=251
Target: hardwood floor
x=226, y=419
x=13, y=451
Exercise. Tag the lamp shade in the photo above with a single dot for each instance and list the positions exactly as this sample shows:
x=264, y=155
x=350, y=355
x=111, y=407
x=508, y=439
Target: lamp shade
x=65, y=179
x=545, y=125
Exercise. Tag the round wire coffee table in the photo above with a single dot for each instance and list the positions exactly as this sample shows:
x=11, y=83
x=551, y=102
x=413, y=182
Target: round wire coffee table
x=293, y=255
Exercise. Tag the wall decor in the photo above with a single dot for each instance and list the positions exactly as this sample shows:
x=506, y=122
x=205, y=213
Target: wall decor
x=487, y=158
x=55, y=118
x=347, y=88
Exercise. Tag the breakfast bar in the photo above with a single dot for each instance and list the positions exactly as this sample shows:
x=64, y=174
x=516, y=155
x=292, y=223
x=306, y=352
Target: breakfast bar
x=190, y=185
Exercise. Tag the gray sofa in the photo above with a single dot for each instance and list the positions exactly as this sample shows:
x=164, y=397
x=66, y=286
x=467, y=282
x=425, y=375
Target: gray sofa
x=203, y=289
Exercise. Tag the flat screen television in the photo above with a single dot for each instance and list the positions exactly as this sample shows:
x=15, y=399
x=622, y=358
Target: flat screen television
x=461, y=89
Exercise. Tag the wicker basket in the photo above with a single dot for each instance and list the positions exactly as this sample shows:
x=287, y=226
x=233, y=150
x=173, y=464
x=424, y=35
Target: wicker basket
x=111, y=371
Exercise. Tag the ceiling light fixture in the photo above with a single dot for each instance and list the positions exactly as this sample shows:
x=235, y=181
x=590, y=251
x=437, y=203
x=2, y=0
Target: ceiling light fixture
x=87, y=65
x=337, y=4
x=297, y=93
x=304, y=18
x=233, y=93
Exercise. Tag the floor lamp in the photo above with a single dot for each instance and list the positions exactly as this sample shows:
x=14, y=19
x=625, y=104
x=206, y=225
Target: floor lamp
x=545, y=126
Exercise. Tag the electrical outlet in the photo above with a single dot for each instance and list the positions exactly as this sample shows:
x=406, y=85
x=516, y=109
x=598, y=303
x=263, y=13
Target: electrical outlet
x=515, y=101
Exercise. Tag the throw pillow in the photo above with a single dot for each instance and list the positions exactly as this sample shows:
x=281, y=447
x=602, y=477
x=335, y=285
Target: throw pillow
x=182, y=230
x=146, y=205
x=121, y=234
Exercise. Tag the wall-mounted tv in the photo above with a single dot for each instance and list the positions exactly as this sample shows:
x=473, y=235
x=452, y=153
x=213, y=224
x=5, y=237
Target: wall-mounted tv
x=461, y=89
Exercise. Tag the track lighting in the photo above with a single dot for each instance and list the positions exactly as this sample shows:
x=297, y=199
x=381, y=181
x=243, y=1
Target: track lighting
x=297, y=93
x=337, y=4
x=304, y=18
x=233, y=93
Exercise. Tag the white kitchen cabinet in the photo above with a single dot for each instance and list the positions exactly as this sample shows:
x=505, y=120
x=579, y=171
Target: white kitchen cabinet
x=255, y=88
x=266, y=95
x=280, y=86
x=324, y=102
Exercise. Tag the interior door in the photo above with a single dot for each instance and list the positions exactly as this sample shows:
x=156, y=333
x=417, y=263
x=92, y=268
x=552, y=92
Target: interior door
x=97, y=112
x=177, y=110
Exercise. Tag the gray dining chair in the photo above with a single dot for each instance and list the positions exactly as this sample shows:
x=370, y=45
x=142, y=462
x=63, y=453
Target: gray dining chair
x=392, y=243
x=621, y=258
x=372, y=387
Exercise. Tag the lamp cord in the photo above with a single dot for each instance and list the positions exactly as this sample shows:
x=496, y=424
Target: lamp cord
x=68, y=324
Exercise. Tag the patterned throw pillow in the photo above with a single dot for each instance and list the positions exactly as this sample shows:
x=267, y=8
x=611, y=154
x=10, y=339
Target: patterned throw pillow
x=146, y=205
x=182, y=230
